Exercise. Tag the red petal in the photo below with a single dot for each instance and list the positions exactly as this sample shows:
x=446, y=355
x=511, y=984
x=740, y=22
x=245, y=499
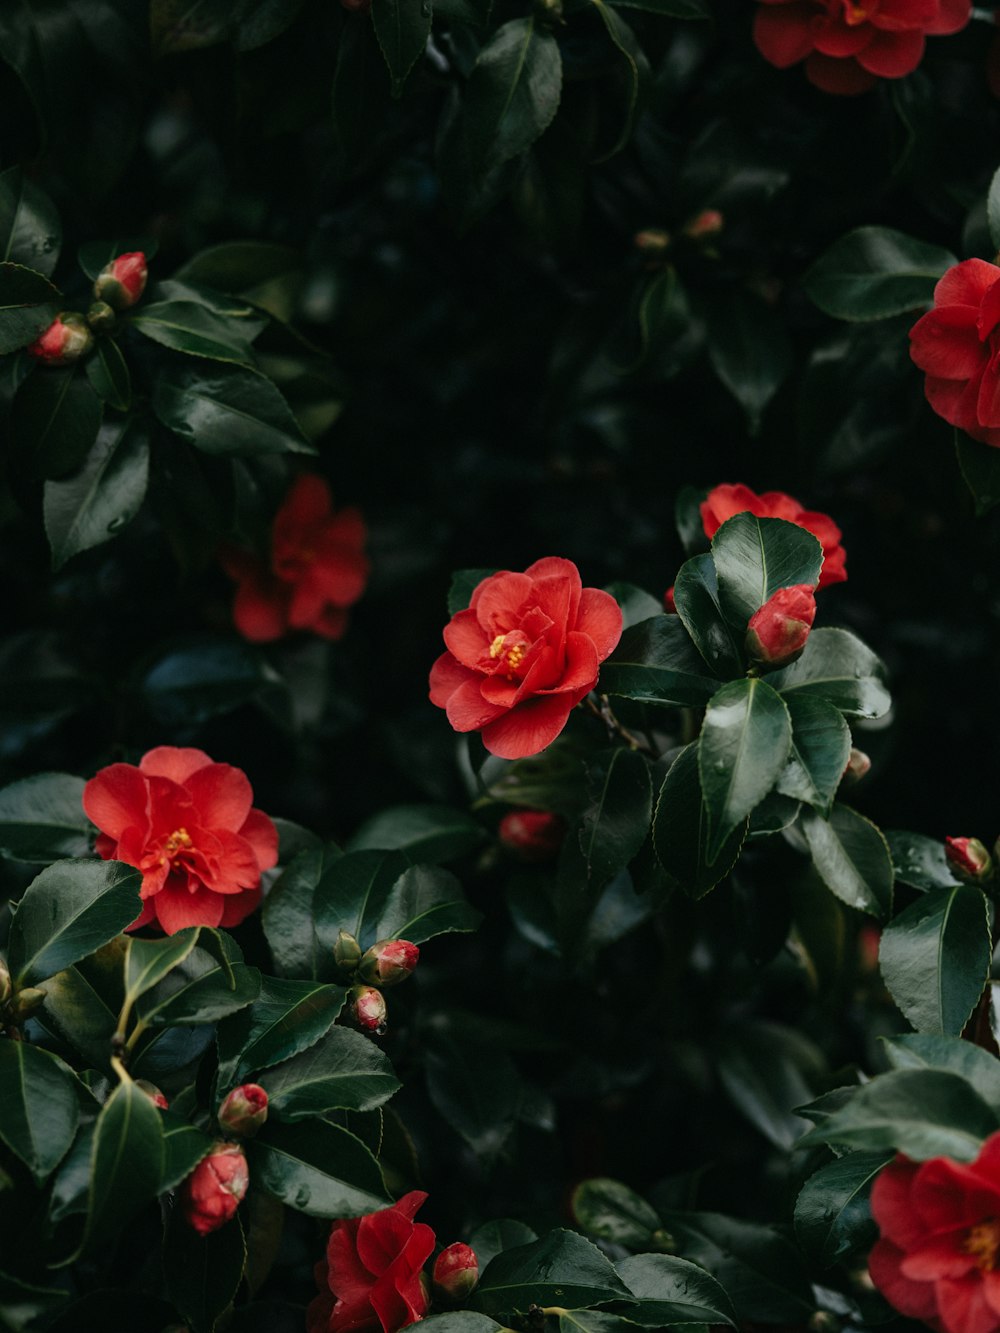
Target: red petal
x=842, y=39
x=338, y=574
x=446, y=677
x=468, y=710
x=600, y=618
x=966, y=283
x=891, y=55
x=842, y=78
x=260, y=611
x=117, y=798
x=529, y=728
x=988, y=399
x=956, y=401
x=724, y=502
x=952, y=17
x=235, y=866
x=897, y=15
x=915, y=1299
x=331, y=623
x=963, y=1307
x=989, y=310
x=892, y=1204
x=940, y=1255
x=222, y=795
x=944, y=342
x=499, y=602
x=260, y=832
x=307, y=503
x=237, y=907
x=381, y=1237
x=410, y=1204
x=465, y=639
x=783, y=36
x=947, y=1195
x=176, y=908
x=580, y=674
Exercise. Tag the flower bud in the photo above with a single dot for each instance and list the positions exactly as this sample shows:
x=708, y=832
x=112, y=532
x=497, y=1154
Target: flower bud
x=669, y=605
x=777, y=633
x=709, y=222
x=969, y=859
x=858, y=766
x=456, y=1271
x=25, y=1002
x=153, y=1093
x=215, y=1188
x=346, y=951
x=388, y=962
x=101, y=317
x=869, y=938
x=532, y=835
x=368, y=1009
x=123, y=281
x=65, y=340
x=243, y=1111
x=4, y=983
x=653, y=241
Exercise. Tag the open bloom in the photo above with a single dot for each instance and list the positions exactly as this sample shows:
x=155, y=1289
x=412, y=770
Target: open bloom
x=957, y=345
x=849, y=44
x=188, y=824
x=523, y=655
x=937, y=1259
x=317, y=568
x=215, y=1188
x=724, y=501
x=371, y=1279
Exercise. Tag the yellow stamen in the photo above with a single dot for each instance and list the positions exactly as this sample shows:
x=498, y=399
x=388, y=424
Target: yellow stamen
x=179, y=840
x=983, y=1243
x=496, y=647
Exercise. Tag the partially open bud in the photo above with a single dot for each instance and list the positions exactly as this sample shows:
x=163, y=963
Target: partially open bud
x=532, y=835
x=65, y=340
x=652, y=241
x=243, y=1111
x=101, y=317
x=388, y=962
x=777, y=633
x=969, y=859
x=123, y=281
x=215, y=1188
x=456, y=1271
x=25, y=1002
x=709, y=222
x=368, y=1009
x=346, y=951
x=4, y=983
x=153, y=1093
x=858, y=766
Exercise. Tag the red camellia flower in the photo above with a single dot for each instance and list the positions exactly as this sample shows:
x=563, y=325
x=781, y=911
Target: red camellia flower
x=123, y=281
x=938, y=1256
x=849, y=44
x=215, y=1188
x=371, y=1279
x=188, y=824
x=724, y=501
x=968, y=858
x=532, y=835
x=777, y=633
x=317, y=568
x=523, y=655
x=957, y=345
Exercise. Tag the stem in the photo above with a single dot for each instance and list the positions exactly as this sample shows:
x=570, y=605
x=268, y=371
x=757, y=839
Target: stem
x=120, y=1070
x=615, y=728
x=137, y=1032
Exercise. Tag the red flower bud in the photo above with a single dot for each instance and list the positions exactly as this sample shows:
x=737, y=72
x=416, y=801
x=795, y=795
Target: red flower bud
x=709, y=222
x=123, y=281
x=669, y=605
x=456, y=1271
x=532, y=835
x=368, y=1009
x=868, y=943
x=243, y=1111
x=388, y=962
x=65, y=340
x=215, y=1188
x=858, y=766
x=153, y=1093
x=777, y=633
x=969, y=859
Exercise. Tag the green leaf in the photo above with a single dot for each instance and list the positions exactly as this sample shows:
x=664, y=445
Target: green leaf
x=402, y=28
x=108, y=374
x=126, y=1164
x=425, y=832
x=615, y=824
x=696, y=597
x=286, y=1018
x=636, y=604
x=184, y=1145
x=75, y=1011
x=993, y=210
x=821, y=746
x=492, y=1238
x=979, y=1068
x=594, y=1321
x=287, y=917
x=210, y=677
x=754, y=557
x=42, y=819
x=360, y=89
x=852, y=858
x=980, y=467
x=750, y=352
x=30, y=232
x=673, y=1292
x=680, y=830
x=461, y=1321
x=874, y=272
x=343, y=1070
x=54, y=422
x=202, y=989
x=28, y=305
x=96, y=255
x=760, y=1066
x=352, y=893
x=463, y=584
x=202, y=1273
x=839, y=668
x=423, y=902
x=67, y=912
x=921, y=1112
x=147, y=962
x=656, y=662
x=680, y=9
x=267, y=275
x=613, y=1212
x=317, y=1168
x=39, y=1109
x=744, y=746
x=195, y=330
x=229, y=412
x=832, y=1217
x=634, y=69
x=560, y=1269
x=95, y=503
x=187, y=25
x=935, y=958
x=476, y=1088
x=513, y=92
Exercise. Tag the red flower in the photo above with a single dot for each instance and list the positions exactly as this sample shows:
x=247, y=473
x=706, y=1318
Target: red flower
x=388, y=962
x=65, y=340
x=317, y=568
x=215, y=1188
x=456, y=1271
x=523, y=655
x=777, y=633
x=188, y=824
x=123, y=281
x=724, y=501
x=849, y=44
x=243, y=1111
x=532, y=835
x=937, y=1259
x=968, y=858
x=372, y=1275
x=957, y=344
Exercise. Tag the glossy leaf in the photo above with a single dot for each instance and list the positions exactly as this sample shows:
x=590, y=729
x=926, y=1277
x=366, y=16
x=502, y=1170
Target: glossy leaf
x=680, y=830
x=287, y=1017
x=39, y=1111
x=287, y=917
x=54, y=422
x=147, y=962
x=476, y=1088
x=513, y=92
x=202, y=1273
x=74, y=1010
x=832, y=1217
x=184, y=1145
x=202, y=989
x=634, y=73
x=195, y=330
x=615, y=824
x=352, y=893
x=613, y=1212
x=30, y=232
x=28, y=305
x=423, y=902
x=656, y=662
x=266, y=275
x=559, y=1269
x=109, y=376
x=425, y=832
x=754, y=557
x=42, y=819
x=230, y=411
x=696, y=597
x=874, y=272
x=915, y=1050
x=852, y=858
x=750, y=352
x=93, y=256
x=839, y=668
x=672, y=1291
x=491, y=1238
x=402, y=29
x=126, y=1164
x=317, y=1168
x=760, y=1067
x=343, y=1070
x=821, y=745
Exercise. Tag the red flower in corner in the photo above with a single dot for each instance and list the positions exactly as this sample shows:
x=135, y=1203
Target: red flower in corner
x=371, y=1278
x=317, y=568
x=849, y=44
x=724, y=501
x=188, y=824
x=938, y=1256
x=523, y=655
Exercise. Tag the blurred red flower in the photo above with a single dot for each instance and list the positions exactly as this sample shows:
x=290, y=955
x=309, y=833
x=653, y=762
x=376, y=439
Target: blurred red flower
x=724, y=501
x=188, y=824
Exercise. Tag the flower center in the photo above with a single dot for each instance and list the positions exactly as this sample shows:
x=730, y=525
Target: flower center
x=179, y=841
x=983, y=1242
x=514, y=654
x=855, y=13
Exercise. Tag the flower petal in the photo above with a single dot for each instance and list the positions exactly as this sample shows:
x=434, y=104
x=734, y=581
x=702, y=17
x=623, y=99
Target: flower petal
x=237, y=907
x=177, y=908
x=600, y=618
x=891, y=55
x=446, y=677
x=784, y=35
x=529, y=728
x=465, y=639
x=260, y=610
x=222, y=796
x=842, y=78
x=468, y=710
x=499, y=602
x=117, y=798
x=892, y=1205
x=963, y=1306
x=915, y=1299
x=260, y=832
x=966, y=283
x=945, y=342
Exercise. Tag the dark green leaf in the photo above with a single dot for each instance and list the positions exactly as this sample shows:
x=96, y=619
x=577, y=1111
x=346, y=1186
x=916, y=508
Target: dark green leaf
x=39, y=1110
x=352, y=894
x=560, y=1269
x=343, y=1070
x=210, y=677
x=696, y=597
x=851, y=857
x=750, y=352
x=202, y=1272
x=230, y=411
x=108, y=374
x=461, y=1321
x=402, y=28
x=915, y=1050
x=463, y=584
x=821, y=745
x=673, y=1292
x=635, y=73
x=30, y=233
x=980, y=466
x=423, y=902
x=74, y=1010
x=935, y=958
x=191, y=328
x=656, y=662
x=680, y=9
x=201, y=989
x=126, y=1165
x=268, y=276
x=184, y=1145
x=288, y=917
x=874, y=272
x=96, y=255
x=513, y=92
x=839, y=668
x=680, y=830
x=476, y=1088
x=286, y=1018
x=760, y=1066
x=71, y=909
x=54, y=422
x=28, y=305
x=425, y=832
x=491, y=1238
x=148, y=961
x=754, y=557
x=832, y=1217
x=636, y=605
x=615, y=824
x=317, y=1168
x=360, y=89
x=919, y=861
x=42, y=819
x=993, y=210
x=612, y=1212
